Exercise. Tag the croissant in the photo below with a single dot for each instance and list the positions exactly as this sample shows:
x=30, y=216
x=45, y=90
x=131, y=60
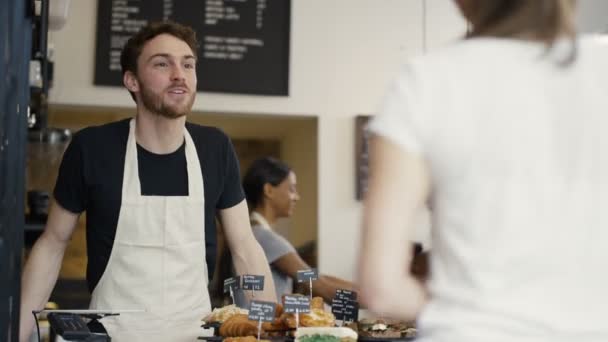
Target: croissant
x=277, y=324
x=238, y=325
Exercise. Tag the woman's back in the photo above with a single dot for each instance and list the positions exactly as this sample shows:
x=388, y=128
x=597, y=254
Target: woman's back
x=519, y=161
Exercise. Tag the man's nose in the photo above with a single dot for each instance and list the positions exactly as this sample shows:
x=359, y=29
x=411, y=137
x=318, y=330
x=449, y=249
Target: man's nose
x=178, y=73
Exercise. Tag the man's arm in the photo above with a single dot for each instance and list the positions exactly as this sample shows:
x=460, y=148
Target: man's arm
x=398, y=188
x=247, y=255
x=42, y=267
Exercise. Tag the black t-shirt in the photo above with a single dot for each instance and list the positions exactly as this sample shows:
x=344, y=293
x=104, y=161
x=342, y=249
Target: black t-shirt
x=91, y=174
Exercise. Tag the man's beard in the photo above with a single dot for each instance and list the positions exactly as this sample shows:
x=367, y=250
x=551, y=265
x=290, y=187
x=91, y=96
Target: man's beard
x=155, y=104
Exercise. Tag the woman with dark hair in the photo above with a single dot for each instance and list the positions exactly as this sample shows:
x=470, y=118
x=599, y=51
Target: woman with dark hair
x=505, y=133
x=270, y=189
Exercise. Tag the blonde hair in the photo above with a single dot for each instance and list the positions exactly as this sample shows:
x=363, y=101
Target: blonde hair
x=543, y=20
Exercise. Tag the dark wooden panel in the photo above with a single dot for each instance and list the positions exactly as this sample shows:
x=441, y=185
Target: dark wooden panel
x=361, y=155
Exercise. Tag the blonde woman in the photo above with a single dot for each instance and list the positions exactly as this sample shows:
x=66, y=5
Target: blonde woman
x=505, y=133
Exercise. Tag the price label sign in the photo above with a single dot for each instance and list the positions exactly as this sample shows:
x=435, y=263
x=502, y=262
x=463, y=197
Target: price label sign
x=344, y=305
x=253, y=282
x=296, y=304
x=307, y=275
x=261, y=311
x=337, y=308
x=351, y=311
x=346, y=294
x=232, y=284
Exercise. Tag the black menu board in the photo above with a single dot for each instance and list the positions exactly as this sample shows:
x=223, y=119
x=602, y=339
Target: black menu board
x=244, y=44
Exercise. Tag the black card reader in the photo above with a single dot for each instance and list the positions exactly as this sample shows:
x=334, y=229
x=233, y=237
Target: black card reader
x=68, y=325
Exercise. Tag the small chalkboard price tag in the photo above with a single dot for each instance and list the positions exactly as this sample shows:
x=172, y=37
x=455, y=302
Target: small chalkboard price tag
x=346, y=294
x=262, y=312
x=296, y=304
x=253, y=282
x=351, y=311
x=344, y=305
x=307, y=275
x=337, y=308
x=232, y=284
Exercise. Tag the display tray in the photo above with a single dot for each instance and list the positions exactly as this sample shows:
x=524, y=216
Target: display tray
x=219, y=339
x=216, y=326
x=210, y=325
x=290, y=339
x=388, y=339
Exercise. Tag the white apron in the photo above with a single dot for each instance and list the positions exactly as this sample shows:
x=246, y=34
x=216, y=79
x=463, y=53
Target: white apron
x=158, y=259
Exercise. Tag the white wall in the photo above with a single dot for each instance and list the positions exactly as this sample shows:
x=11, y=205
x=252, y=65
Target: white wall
x=343, y=54
x=370, y=44
x=593, y=16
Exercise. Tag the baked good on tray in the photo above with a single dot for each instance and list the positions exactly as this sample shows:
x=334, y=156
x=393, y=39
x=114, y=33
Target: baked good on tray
x=385, y=328
x=317, y=303
x=244, y=339
x=277, y=324
x=238, y=325
x=222, y=314
x=317, y=317
x=325, y=334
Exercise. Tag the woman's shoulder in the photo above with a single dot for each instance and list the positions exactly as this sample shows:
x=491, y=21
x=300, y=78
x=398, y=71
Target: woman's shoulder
x=482, y=49
x=268, y=236
x=261, y=231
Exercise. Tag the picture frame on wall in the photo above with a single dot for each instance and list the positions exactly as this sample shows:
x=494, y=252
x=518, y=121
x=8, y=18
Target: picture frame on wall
x=361, y=155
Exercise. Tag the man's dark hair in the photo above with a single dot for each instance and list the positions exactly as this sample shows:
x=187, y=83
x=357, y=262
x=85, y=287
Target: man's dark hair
x=132, y=49
x=264, y=170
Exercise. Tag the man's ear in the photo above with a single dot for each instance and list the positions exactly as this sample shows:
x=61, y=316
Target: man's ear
x=130, y=81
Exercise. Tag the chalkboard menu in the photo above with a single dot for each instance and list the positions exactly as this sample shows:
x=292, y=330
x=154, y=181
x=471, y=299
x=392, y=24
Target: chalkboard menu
x=244, y=44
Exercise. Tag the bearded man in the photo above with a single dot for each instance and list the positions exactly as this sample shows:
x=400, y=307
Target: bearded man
x=152, y=187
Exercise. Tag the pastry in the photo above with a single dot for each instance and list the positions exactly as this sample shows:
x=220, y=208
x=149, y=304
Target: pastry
x=277, y=324
x=316, y=318
x=385, y=328
x=317, y=303
x=222, y=314
x=244, y=339
x=239, y=325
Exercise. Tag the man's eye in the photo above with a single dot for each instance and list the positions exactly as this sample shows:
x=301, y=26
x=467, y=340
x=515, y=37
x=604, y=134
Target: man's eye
x=161, y=64
x=189, y=66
